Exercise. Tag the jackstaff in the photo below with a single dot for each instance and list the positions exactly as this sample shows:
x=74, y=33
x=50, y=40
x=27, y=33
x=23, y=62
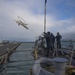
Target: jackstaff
x=45, y=1
x=45, y=17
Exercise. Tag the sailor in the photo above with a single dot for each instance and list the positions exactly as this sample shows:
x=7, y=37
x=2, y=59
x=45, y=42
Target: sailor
x=47, y=36
x=48, y=42
x=58, y=40
x=52, y=40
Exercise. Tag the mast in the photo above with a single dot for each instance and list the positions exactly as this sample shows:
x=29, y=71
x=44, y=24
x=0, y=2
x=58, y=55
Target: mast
x=45, y=16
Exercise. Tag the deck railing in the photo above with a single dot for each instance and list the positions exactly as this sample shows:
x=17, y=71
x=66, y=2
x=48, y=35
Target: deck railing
x=5, y=57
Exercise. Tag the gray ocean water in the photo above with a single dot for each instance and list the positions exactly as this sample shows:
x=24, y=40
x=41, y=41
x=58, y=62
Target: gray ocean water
x=21, y=61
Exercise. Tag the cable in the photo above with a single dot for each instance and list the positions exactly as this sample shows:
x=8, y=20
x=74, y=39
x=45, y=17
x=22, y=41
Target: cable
x=24, y=65
x=21, y=60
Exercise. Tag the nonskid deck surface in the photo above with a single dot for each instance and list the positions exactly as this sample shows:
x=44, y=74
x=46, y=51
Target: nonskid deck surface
x=21, y=61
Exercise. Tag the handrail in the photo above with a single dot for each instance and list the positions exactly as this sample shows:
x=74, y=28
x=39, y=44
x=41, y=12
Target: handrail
x=4, y=57
x=35, y=53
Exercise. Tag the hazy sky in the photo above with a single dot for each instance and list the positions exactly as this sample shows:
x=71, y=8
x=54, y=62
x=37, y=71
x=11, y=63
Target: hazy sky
x=60, y=18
